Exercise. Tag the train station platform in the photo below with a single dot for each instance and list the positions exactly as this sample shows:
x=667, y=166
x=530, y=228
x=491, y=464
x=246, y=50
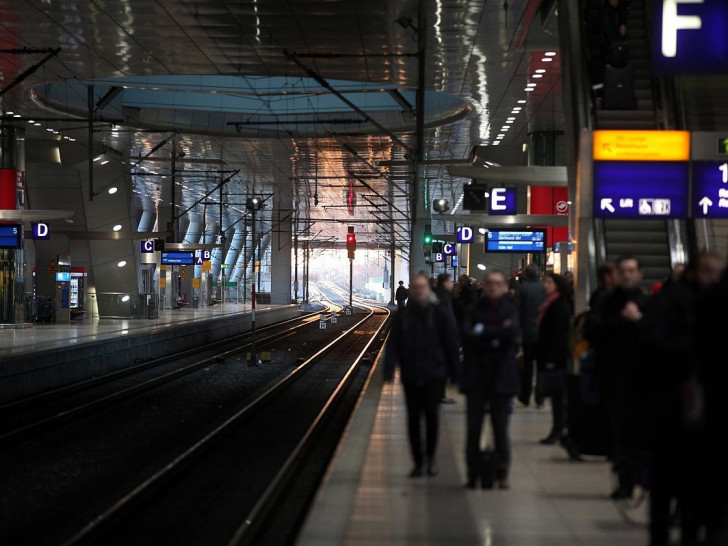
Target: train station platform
x=367, y=497
x=47, y=356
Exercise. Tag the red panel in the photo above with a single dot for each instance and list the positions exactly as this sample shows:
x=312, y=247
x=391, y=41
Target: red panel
x=551, y=200
x=8, y=189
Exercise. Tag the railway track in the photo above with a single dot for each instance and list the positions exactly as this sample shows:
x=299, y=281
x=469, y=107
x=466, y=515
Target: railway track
x=33, y=415
x=221, y=489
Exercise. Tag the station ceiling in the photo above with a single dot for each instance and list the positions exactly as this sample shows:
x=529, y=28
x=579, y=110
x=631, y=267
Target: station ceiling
x=484, y=55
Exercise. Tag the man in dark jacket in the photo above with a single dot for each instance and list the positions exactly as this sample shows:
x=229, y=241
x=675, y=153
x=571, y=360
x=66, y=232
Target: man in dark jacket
x=423, y=341
x=620, y=351
x=531, y=298
x=400, y=295
x=490, y=374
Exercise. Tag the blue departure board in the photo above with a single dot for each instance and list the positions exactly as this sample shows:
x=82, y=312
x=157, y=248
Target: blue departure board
x=11, y=236
x=178, y=258
x=509, y=240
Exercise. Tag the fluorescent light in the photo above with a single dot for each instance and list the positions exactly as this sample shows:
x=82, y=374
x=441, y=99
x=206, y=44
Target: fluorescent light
x=531, y=84
x=113, y=190
x=122, y=263
x=540, y=71
x=537, y=76
x=547, y=59
x=98, y=157
x=529, y=89
x=524, y=147
x=16, y=116
x=501, y=135
x=496, y=143
x=31, y=121
x=125, y=298
x=482, y=267
x=509, y=121
x=9, y=113
x=550, y=53
x=49, y=130
x=104, y=162
x=117, y=227
x=522, y=101
x=482, y=231
x=511, y=118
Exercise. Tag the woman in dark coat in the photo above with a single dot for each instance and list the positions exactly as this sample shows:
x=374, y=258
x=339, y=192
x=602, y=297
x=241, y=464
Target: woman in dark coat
x=554, y=325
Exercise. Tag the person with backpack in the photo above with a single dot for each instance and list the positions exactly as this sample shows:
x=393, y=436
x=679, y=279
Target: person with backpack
x=423, y=342
x=490, y=376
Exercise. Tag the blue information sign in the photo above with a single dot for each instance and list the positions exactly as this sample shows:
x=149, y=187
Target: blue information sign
x=178, y=258
x=502, y=201
x=710, y=189
x=690, y=36
x=641, y=189
x=10, y=236
x=63, y=276
x=465, y=235
x=41, y=231
x=508, y=240
x=449, y=249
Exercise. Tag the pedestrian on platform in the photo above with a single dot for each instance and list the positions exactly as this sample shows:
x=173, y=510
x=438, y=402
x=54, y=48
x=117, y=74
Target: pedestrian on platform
x=490, y=375
x=423, y=342
x=531, y=298
x=552, y=353
x=400, y=296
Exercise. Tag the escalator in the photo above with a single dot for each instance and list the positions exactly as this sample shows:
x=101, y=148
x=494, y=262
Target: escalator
x=647, y=239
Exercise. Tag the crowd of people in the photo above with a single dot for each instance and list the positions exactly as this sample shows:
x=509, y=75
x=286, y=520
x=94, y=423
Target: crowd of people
x=637, y=378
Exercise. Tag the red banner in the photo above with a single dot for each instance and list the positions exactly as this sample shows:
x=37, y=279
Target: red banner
x=551, y=200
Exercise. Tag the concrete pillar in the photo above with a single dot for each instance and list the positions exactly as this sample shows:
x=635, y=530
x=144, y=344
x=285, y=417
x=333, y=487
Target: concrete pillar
x=280, y=246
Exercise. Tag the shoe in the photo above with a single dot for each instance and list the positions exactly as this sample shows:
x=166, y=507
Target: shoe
x=621, y=493
x=447, y=400
x=539, y=405
x=503, y=484
x=549, y=440
x=432, y=468
x=471, y=483
x=416, y=471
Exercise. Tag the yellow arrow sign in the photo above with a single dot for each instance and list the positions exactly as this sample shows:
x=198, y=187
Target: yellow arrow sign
x=641, y=145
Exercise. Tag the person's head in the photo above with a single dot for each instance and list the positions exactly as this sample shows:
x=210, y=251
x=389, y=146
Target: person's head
x=532, y=272
x=445, y=282
x=704, y=270
x=464, y=280
x=496, y=285
x=569, y=277
x=677, y=272
x=401, y=283
x=614, y=3
x=630, y=271
x=554, y=283
x=607, y=275
x=420, y=288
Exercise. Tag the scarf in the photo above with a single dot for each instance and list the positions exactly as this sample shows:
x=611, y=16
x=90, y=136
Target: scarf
x=546, y=304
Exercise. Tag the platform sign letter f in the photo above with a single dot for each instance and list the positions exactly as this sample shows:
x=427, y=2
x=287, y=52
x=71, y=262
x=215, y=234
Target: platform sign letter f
x=672, y=22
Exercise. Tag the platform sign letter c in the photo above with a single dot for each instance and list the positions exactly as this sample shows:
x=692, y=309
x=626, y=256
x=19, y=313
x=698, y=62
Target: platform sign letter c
x=672, y=22
x=147, y=247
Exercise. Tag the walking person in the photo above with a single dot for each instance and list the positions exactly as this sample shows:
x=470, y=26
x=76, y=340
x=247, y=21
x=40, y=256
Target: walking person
x=423, y=342
x=490, y=374
x=554, y=323
x=531, y=298
x=400, y=296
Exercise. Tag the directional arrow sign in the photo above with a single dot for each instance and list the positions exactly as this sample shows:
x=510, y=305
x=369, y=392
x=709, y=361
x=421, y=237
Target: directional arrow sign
x=705, y=203
x=606, y=204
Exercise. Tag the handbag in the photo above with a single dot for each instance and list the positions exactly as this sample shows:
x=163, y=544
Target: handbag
x=550, y=383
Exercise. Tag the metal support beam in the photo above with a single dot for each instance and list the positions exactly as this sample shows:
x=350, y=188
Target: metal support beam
x=523, y=176
x=90, y=100
x=29, y=71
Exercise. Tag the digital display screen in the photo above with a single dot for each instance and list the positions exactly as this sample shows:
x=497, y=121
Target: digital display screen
x=509, y=240
x=710, y=189
x=178, y=258
x=63, y=277
x=641, y=189
x=10, y=236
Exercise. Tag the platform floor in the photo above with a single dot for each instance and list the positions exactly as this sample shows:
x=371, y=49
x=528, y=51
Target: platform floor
x=367, y=497
x=48, y=336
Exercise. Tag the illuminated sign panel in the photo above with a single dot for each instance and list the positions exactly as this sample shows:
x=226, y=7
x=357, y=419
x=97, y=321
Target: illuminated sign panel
x=507, y=240
x=178, y=258
x=690, y=36
x=41, y=231
x=502, y=201
x=10, y=236
x=465, y=235
x=710, y=189
x=640, y=189
x=449, y=249
x=641, y=145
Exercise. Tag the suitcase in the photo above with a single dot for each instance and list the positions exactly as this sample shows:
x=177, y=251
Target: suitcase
x=488, y=468
x=618, y=93
x=588, y=423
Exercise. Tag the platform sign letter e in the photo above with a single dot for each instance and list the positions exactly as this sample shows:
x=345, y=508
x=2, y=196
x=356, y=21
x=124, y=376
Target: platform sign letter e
x=672, y=23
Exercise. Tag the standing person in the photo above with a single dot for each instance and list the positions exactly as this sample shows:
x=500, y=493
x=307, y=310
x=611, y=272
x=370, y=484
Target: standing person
x=532, y=297
x=444, y=293
x=423, y=342
x=620, y=355
x=400, y=296
x=490, y=374
x=554, y=324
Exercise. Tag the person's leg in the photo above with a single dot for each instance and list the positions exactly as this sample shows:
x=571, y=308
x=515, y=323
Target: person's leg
x=558, y=407
x=432, y=397
x=499, y=418
x=475, y=414
x=413, y=397
x=529, y=360
x=661, y=481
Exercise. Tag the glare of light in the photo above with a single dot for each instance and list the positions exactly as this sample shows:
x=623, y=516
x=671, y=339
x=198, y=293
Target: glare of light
x=537, y=76
x=113, y=190
x=16, y=116
x=122, y=263
x=568, y=202
x=117, y=227
x=125, y=298
x=511, y=118
x=496, y=143
x=531, y=85
x=31, y=121
x=98, y=157
x=482, y=231
x=104, y=162
x=509, y=121
x=528, y=89
x=522, y=101
x=550, y=53
x=37, y=124
x=547, y=59
x=9, y=113
x=524, y=147
x=499, y=137
x=540, y=71
x=481, y=267
x=72, y=139
x=49, y=130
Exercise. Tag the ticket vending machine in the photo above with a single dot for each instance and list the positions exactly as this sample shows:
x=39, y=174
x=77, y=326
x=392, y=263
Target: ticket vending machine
x=63, y=293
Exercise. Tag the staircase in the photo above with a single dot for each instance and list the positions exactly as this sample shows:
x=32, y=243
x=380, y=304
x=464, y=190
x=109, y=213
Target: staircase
x=646, y=239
